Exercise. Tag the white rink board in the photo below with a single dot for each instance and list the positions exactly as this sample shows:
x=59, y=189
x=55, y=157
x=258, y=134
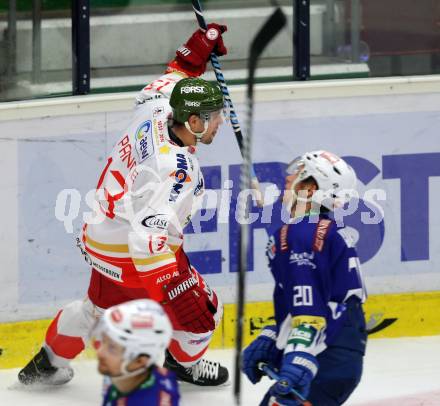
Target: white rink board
x=388, y=131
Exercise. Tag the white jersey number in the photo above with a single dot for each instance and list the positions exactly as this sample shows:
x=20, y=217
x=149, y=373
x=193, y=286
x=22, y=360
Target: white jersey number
x=302, y=296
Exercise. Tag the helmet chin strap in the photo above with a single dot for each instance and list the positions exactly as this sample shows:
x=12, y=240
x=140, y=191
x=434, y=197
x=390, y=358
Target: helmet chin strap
x=128, y=374
x=196, y=134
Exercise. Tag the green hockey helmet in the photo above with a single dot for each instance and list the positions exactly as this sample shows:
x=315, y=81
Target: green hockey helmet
x=195, y=96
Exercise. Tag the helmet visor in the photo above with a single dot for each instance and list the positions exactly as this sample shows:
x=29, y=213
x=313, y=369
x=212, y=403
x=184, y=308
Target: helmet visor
x=213, y=115
x=295, y=166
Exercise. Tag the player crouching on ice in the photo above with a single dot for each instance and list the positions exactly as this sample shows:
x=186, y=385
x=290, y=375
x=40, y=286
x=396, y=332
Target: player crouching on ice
x=130, y=339
x=318, y=342
x=152, y=184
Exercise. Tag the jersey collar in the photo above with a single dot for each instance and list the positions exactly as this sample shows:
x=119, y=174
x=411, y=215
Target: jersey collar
x=175, y=138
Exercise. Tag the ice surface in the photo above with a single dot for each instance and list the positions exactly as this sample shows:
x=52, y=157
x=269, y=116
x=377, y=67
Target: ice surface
x=402, y=372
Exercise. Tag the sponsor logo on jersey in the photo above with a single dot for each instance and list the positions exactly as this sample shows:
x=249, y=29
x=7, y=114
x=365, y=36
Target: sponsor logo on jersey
x=180, y=177
x=166, y=277
x=302, y=258
x=199, y=189
x=303, y=334
x=125, y=152
x=158, y=131
x=321, y=232
x=271, y=248
x=116, y=275
x=192, y=103
x=283, y=238
x=157, y=111
x=156, y=221
x=144, y=142
x=192, y=89
x=156, y=244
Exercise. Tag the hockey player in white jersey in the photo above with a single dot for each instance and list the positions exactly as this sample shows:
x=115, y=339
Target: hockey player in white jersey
x=147, y=191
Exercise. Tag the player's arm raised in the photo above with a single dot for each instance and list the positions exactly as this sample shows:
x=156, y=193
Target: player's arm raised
x=190, y=61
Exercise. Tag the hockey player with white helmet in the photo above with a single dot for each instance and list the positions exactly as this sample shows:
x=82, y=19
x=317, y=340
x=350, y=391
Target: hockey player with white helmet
x=130, y=340
x=150, y=186
x=318, y=342
x=335, y=179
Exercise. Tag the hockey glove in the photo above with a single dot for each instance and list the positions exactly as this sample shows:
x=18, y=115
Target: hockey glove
x=297, y=371
x=270, y=400
x=188, y=305
x=193, y=56
x=262, y=349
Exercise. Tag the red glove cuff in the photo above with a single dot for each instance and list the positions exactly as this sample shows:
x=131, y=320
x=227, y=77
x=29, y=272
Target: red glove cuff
x=180, y=66
x=194, y=54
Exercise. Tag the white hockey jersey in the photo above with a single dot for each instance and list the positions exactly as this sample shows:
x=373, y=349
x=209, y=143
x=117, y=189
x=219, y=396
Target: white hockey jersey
x=147, y=192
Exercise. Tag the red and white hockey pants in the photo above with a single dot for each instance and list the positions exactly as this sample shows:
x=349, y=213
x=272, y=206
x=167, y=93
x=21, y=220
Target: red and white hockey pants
x=68, y=333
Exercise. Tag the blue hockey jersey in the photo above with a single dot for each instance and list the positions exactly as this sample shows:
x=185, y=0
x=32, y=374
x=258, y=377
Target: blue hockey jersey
x=317, y=272
x=160, y=389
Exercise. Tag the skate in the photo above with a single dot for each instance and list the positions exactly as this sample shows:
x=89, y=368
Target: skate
x=204, y=373
x=40, y=371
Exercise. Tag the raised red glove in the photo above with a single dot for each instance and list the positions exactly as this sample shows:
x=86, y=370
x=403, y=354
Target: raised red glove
x=188, y=305
x=193, y=55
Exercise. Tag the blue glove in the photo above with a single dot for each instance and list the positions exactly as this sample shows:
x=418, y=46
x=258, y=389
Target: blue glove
x=297, y=371
x=262, y=349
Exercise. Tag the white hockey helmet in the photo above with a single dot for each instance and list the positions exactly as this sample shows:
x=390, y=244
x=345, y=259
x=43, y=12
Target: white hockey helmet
x=336, y=179
x=140, y=326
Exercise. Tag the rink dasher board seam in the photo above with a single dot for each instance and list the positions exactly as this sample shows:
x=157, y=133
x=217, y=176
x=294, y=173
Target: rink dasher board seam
x=392, y=315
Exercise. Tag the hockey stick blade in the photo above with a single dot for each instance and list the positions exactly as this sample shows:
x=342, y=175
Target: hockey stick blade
x=263, y=367
x=197, y=7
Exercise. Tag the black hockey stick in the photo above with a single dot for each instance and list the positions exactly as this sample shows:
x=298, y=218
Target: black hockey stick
x=232, y=115
x=267, y=33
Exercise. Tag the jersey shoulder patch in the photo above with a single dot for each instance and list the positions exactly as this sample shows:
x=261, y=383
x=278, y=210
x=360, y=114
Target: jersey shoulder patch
x=322, y=229
x=271, y=248
x=181, y=174
x=144, y=140
x=284, y=245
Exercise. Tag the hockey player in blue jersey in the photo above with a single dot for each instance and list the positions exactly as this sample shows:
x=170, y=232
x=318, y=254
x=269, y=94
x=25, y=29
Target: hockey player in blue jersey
x=131, y=338
x=318, y=342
